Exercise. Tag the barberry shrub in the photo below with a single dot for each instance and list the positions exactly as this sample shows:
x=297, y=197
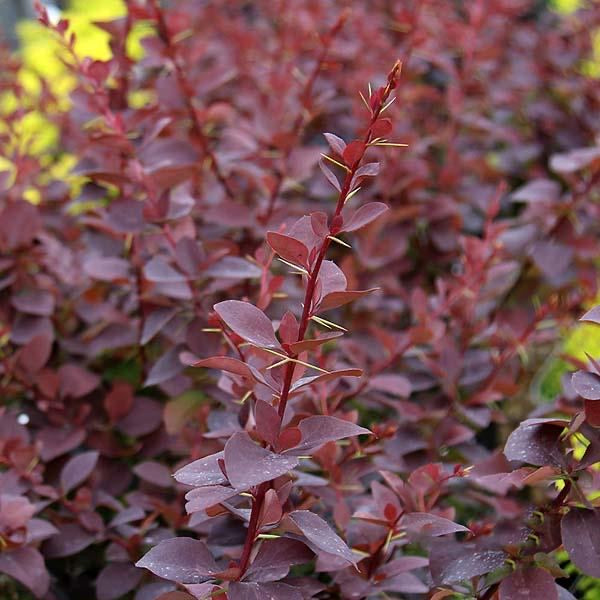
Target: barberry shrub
x=242, y=359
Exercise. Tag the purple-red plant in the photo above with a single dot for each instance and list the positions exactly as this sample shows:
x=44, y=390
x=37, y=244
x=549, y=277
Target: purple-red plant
x=179, y=303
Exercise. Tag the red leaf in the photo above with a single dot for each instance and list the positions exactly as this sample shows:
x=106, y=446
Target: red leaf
x=118, y=401
x=289, y=248
x=318, y=221
x=249, y=322
x=271, y=511
x=353, y=152
x=381, y=128
x=288, y=328
x=306, y=345
x=592, y=412
x=267, y=421
x=336, y=299
x=289, y=438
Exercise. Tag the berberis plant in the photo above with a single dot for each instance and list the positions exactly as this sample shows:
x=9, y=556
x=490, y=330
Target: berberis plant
x=260, y=363
x=285, y=424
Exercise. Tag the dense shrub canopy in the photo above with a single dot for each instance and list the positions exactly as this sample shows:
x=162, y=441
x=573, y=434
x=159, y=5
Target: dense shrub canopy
x=334, y=342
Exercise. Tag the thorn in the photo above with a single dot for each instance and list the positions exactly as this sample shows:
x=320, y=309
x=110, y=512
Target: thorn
x=341, y=242
x=335, y=162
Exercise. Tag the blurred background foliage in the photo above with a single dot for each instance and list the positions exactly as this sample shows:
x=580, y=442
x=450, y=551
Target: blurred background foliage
x=41, y=57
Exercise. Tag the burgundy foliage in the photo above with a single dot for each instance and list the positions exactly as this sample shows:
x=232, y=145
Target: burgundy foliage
x=243, y=360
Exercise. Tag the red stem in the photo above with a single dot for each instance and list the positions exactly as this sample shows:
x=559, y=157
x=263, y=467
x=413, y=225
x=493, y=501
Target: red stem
x=188, y=94
x=305, y=98
x=306, y=314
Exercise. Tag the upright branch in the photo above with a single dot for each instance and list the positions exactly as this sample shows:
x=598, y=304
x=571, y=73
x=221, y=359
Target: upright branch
x=352, y=155
x=188, y=93
x=305, y=105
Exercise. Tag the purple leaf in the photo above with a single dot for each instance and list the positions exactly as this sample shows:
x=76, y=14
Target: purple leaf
x=263, y=591
x=320, y=534
x=154, y=473
x=233, y=267
x=183, y=560
x=70, y=539
x=329, y=175
x=320, y=429
x=451, y=562
x=231, y=365
x=109, y=268
x=586, y=384
x=368, y=170
x=34, y=302
x=144, y=417
x=288, y=248
x=536, y=442
x=247, y=464
x=116, y=579
x=159, y=270
x=336, y=143
x=395, y=385
x=75, y=381
x=537, y=190
x=364, y=215
x=204, y=471
x=204, y=497
x=580, y=529
x=275, y=557
x=574, y=160
x=155, y=321
x=39, y=530
x=15, y=511
x=592, y=315
x=249, y=322
x=165, y=368
x=56, y=441
x=27, y=566
x=77, y=470
x=429, y=525
x=528, y=584
x=128, y=515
